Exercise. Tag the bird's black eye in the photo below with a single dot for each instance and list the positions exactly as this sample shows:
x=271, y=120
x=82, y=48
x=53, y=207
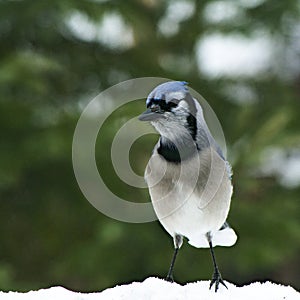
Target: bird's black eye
x=151, y=102
x=164, y=106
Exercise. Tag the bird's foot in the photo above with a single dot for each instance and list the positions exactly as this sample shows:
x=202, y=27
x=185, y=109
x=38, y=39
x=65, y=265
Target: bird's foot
x=217, y=279
x=169, y=278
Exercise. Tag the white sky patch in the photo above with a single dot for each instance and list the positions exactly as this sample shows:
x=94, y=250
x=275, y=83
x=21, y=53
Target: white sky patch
x=111, y=30
x=285, y=167
x=251, y=3
x=177, y=12
x=221, y=11
x=289, y=66
x=234, y=55
x=240, y=93
x=82, y=27
x=95, y=106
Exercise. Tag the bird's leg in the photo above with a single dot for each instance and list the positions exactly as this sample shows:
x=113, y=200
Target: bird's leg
x=177, y=244
x=216, y=278
x=170, y=273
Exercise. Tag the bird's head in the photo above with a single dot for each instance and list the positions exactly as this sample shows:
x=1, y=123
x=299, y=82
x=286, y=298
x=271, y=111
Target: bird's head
x=171, y=110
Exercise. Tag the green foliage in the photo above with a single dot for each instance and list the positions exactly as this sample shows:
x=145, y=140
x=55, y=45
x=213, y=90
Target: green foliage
x=49, y=233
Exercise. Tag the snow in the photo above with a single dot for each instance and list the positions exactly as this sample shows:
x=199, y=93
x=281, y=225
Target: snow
x=154, y=288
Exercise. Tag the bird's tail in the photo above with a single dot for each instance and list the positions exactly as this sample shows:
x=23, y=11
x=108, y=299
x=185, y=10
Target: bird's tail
x=225, y=237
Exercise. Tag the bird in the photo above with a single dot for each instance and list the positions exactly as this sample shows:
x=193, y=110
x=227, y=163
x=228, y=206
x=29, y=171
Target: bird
x=188, y=178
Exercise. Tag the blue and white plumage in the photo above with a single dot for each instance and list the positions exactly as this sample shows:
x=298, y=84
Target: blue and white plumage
x=188, y=177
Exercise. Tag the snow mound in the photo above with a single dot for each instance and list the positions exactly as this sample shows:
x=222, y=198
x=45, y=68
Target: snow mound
x=154, y=288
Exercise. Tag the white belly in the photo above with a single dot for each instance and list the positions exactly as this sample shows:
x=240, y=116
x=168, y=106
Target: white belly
x=186, y=206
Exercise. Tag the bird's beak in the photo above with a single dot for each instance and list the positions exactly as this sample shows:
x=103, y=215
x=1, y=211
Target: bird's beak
x=149, y=115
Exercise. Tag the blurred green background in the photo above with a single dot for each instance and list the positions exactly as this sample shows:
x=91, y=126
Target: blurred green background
x=243, y=56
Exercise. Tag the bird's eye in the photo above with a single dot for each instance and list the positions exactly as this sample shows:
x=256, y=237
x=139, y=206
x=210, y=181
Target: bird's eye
x=155, y=108
x=160, y=105
x=152, y=102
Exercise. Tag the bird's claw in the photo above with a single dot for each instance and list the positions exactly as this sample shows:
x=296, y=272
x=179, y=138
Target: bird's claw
x=217, y=279
x=169, y=278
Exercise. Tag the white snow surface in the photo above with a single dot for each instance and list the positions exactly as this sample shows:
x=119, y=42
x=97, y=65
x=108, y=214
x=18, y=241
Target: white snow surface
x=154, y=288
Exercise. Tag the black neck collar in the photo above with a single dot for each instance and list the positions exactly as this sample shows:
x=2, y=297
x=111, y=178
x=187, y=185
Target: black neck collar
x=169, y=151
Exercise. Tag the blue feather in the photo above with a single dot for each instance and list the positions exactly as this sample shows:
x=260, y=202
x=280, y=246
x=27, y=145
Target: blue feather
x=168, y=87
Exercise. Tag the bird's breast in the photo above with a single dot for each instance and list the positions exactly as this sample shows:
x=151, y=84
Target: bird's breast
x=193, y=194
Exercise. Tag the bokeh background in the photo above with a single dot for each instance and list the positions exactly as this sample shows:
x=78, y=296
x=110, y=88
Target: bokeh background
x=243, y=56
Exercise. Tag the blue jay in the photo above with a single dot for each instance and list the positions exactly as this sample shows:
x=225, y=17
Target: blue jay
x=189, y=179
